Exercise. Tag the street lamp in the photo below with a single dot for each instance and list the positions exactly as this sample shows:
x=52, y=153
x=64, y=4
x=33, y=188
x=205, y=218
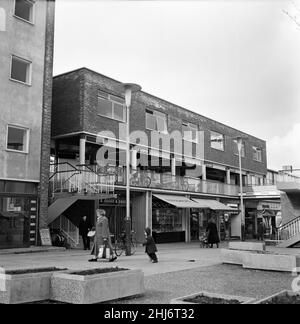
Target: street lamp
x=129, y=89
x=239, y=141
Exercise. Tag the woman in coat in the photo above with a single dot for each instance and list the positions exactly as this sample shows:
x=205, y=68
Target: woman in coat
x=102, y=236
x=212, y=233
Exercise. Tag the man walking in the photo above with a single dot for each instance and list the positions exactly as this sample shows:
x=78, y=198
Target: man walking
x=84, y=227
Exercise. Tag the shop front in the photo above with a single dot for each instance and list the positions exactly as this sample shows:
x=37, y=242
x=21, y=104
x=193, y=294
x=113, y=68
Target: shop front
x=18, y=214
x=170, y=218
x=210, y=209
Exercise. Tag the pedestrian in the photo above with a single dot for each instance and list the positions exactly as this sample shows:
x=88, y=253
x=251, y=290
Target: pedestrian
x=84, y=227
x=102, y=236
x=261, y=230
x=150, y=246
x=212, y=233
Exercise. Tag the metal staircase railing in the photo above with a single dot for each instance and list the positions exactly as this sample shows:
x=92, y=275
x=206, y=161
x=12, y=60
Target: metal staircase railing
x=79, y=179
x=68, y=229
x=289, y=230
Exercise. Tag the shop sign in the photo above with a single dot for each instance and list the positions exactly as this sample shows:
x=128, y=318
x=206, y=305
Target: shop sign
x=45, y=237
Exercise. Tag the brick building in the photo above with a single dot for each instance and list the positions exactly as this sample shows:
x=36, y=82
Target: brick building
x=26, y=56
x=173, y=191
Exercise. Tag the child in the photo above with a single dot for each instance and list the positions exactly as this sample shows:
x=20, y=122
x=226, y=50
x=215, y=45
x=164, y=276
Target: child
x=150, y=246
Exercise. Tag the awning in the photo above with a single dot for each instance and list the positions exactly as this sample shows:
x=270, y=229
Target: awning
x=178, y=201
x=214, y=204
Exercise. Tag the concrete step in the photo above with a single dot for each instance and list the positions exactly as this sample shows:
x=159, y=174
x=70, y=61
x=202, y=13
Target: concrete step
x=32, y=249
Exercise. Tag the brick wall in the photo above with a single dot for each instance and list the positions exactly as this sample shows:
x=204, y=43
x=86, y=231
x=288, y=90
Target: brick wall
x=46, y=117
x=67, y=86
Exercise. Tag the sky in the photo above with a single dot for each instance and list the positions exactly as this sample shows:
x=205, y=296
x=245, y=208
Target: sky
x=235, y=61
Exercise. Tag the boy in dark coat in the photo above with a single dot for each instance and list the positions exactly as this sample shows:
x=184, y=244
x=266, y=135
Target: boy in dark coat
x=150, y=246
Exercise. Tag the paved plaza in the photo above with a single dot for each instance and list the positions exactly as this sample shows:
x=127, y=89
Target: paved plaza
x=183, y=268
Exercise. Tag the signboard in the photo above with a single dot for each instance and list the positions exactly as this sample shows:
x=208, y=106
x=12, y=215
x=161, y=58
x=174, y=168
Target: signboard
x=288, y=168
x=45, y=237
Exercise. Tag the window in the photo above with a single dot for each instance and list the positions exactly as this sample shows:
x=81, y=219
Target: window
x=20, y=70
x=190, y=132
x=236, y=151
x=156, y=121
x=111, y=106
x=17, y=139
x=24, y=10
x=257, y=154
x=217, y=141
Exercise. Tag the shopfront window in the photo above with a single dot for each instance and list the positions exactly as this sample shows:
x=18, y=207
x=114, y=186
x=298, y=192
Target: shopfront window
x=14, y=222
x=166, y=220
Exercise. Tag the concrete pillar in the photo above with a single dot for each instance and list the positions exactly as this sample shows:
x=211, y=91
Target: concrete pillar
x=134, y=159
x=149, y=209
x=82, y=149
x=203, y=172
x=228, y=176
x=173, y=166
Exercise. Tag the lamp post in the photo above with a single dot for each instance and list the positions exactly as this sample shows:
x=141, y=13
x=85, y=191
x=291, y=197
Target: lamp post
x=129, y=88
x=240, y=146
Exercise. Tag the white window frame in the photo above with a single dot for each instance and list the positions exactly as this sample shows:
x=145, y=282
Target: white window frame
x=106, y=96
x=243, y=151
x=210, y=140
x=26, y=146
x=32, y=21
x=192, y=127
x=255, y=150
x=160, y=115
x=29, y=76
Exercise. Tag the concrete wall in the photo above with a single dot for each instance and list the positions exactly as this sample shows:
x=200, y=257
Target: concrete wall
x=290, y=206
x=21, y=104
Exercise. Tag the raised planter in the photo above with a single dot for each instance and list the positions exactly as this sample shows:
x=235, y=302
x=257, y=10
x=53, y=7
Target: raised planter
x=247, y=246
x=26, y=285
x=204, y=297
x=271, y=262
x=85, y=288
x=283, y=297
x=233, y=256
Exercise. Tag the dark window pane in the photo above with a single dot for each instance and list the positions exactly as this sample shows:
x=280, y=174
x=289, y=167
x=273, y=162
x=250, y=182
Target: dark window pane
x=23, y=9
x=119, y=112
x=16, y=139
x=19, y=70
x=20, y=187
x=105, y=108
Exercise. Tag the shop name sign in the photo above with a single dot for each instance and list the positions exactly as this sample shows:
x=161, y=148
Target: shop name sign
x=45, y=237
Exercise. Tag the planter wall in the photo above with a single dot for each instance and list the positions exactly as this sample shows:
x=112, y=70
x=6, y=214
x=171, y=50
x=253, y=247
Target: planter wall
x=242, y=300
x=247, y=246
x=92, y=289
x=24, y=288
x=272, y=262
x=232, y=256
x=280, y=294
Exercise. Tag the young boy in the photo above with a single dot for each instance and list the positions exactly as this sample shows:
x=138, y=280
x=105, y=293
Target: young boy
x=150, y=246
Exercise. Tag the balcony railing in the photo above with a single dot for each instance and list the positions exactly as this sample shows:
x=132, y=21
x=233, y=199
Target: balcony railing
x=92, y=179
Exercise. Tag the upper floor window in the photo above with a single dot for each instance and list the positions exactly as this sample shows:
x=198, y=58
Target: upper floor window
x=17, y=138
x=156, y=121
x=111, y=106
x=217, y=141
x=190, y=132
x=24, y=9
x=257, y=154
x=20, y=70
x=236, y=150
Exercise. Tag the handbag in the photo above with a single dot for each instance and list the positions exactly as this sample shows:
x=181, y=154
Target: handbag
x=91, y=233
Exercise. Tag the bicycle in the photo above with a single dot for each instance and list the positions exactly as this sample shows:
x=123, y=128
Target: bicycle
x=120, y=243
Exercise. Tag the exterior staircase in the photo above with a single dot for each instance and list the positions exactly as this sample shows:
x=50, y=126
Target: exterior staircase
x=289, y=234
x=70, y=183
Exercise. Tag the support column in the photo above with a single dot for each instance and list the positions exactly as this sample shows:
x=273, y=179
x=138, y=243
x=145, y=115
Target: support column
x=82, y=149
x=203, y=172
x=228, y=180
x=173, y=166
x=149, y=209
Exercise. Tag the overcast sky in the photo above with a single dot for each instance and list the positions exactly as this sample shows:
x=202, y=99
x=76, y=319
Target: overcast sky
x=237, y=62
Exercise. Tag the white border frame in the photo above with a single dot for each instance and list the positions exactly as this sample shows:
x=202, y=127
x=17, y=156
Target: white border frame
x=29, y=83
x=33, y=2
x=26, y=151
